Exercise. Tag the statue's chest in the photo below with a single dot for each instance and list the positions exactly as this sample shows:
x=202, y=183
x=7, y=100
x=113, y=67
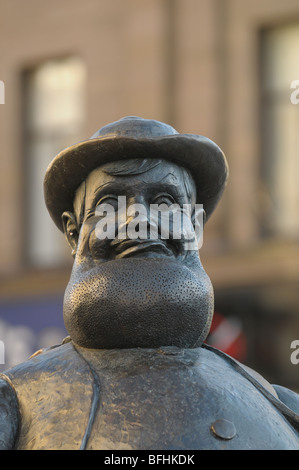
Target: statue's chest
x=181, y=406
x=146, y=399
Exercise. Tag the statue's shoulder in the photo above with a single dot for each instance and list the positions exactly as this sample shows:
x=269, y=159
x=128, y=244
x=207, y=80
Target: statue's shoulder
x=258, y=378
x=48, y=360
x=288, y=397
x=51, y=380
x=283, y=399
x=235, y=368
x=283, y=394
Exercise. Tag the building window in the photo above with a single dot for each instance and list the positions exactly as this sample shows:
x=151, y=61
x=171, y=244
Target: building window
x=54, y=116
x=280, y=131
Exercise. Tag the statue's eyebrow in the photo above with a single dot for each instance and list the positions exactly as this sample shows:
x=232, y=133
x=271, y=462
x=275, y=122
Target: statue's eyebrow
x=93, y=195
x=112, y=187
x=172, y=175
x=114, y=183
x=109, y=183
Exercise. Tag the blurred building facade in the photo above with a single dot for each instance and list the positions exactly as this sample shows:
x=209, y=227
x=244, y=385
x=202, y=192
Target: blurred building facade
x=226, y=69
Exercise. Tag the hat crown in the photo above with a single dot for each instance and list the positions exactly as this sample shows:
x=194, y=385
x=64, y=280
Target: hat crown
x=135, y=127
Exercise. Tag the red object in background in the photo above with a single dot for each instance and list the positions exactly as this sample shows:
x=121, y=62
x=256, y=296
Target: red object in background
x=227, y=335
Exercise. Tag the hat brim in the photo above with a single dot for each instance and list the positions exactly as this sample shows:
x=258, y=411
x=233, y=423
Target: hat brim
x=201, y=156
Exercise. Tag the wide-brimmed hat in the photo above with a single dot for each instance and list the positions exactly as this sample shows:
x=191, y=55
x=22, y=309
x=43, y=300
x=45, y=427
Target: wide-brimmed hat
x=135, y=137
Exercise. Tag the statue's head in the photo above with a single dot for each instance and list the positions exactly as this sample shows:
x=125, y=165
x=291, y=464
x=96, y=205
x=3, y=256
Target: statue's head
x=132, y=202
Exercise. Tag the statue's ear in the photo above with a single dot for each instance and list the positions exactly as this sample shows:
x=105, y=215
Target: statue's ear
x=71, y=230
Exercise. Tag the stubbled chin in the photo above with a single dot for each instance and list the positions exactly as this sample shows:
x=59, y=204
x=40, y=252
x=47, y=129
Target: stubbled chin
x=131, y=303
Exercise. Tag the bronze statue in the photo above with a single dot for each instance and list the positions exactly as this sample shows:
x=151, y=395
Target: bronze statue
x=135, y=372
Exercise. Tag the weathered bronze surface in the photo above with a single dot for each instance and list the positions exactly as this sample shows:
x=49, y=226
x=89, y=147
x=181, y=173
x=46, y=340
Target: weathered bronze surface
x=135, y=372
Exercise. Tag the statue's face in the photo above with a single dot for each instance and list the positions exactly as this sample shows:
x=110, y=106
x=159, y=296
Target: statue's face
x=133, y=284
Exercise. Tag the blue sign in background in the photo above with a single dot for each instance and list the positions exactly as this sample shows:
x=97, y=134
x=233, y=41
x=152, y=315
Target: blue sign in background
x=27, y=325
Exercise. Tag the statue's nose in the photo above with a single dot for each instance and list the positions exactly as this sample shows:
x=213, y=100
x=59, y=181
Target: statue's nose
x=137, y=218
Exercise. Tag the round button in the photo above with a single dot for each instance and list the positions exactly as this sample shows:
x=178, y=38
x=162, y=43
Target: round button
x=224, y=429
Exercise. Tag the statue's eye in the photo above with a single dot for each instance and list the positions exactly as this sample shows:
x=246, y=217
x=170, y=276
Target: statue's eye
x=163, y=198
x=110, y=200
